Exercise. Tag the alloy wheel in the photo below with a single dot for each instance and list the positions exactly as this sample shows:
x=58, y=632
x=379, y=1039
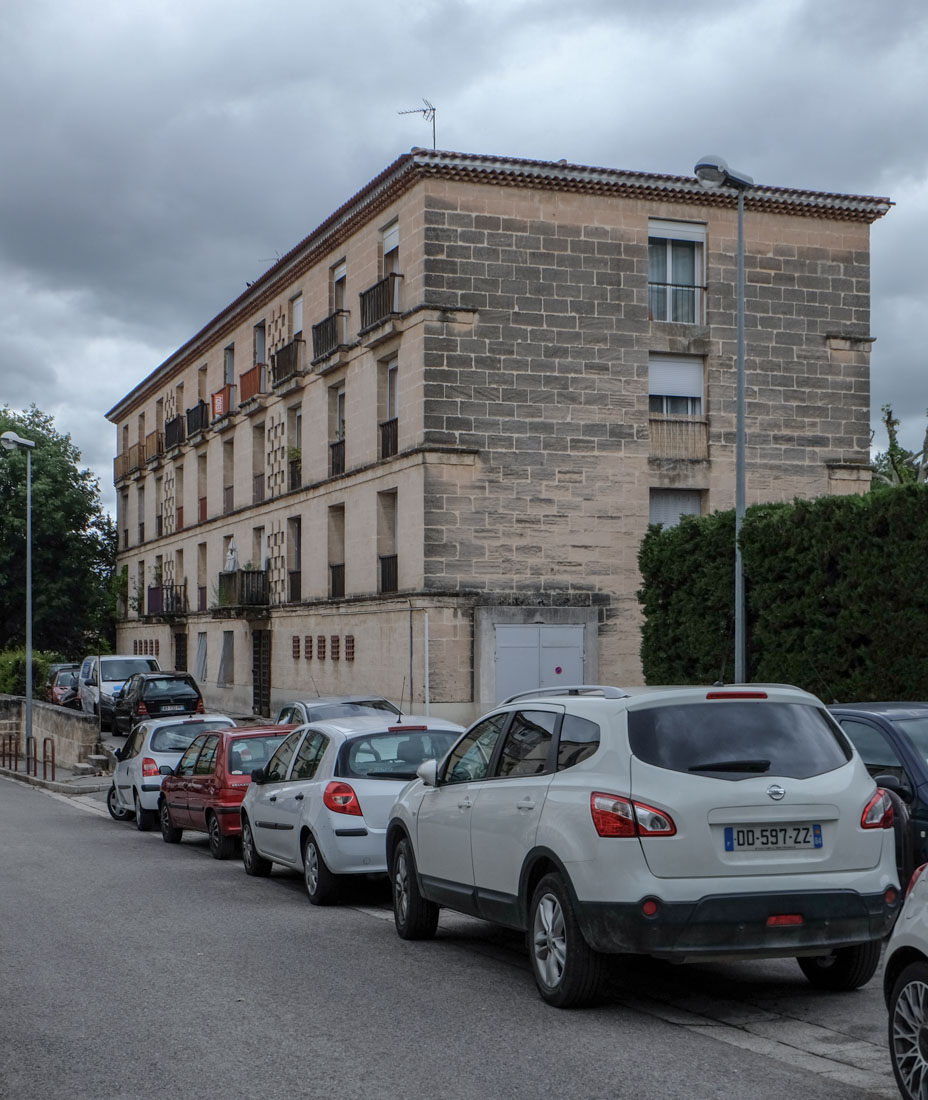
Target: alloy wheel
x=311, y=867
x=910, y=1038
x=401, y=884
x=549, y=940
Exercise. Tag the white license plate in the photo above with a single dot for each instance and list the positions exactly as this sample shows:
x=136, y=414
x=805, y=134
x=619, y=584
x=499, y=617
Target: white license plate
x=172, y=707
x=760, y=838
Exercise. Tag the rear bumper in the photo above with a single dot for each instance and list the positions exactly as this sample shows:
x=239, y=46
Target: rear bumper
x=736, y=924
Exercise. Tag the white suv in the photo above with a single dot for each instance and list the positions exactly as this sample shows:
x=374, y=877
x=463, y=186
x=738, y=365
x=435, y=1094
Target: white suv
x=905, y=987
x=679, y=823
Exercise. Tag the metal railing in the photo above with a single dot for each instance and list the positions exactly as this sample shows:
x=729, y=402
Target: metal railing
x=243, y=588
x=174, y=433
x=179, y=519
x=337, y=457
x=330, y=334
x=201, y=509
x=681, y=302
x=678, y=436
x=294, y=473
x=337, y=580
x=295, y=585
x=228, y=498
x=388, y=438
x=201, y=597
x=141, y=532
x=197, y=418
x=258, y=482
x=167, y=599
x=287, y=362
x=159, y=525
x=251, y=383
x=388, y=573
x=380, y=301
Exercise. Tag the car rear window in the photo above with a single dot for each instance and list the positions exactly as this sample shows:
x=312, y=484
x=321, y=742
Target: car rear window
x=169, y=686
x=737, y=740
x=248, y=753
x=176, y=738
x=392, y=754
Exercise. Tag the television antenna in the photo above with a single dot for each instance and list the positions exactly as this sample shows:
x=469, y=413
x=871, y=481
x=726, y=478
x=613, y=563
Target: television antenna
x=427, y=112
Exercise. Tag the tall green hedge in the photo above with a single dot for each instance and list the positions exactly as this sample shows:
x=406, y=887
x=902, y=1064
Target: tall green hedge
x=836, y=594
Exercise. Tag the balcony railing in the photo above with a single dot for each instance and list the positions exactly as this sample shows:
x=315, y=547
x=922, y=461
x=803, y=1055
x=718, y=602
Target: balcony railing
x=330, y=334
x=174, y=433
x=337, y=457
x=120, y=466
x=295, y=578
x=294, y=473
x=251, y=383
x=179, y=525
x=223, y=401
x=159, y=525
x=201, y=509
x=136, y=455
x=141, y=532
x=381, y=301
x=388, y=573
x=228, y=499
x=167, y=599
x=125, y=538
x=257, y=488
x=678, y=437
x=388, y=438
x=201, y=597
x=337, y=580
x=243, y=588
x=675, y=302
x=197, y=418
x=287, y=362
x=154, y=445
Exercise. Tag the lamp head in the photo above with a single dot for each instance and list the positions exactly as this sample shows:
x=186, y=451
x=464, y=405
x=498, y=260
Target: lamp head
x=10, y=441
x=713, y=172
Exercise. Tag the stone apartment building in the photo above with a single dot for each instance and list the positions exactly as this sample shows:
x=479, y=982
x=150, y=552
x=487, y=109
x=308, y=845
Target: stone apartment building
x=418, y=455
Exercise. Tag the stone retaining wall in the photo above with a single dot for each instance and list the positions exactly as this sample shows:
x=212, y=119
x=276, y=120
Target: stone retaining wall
x=75, y=735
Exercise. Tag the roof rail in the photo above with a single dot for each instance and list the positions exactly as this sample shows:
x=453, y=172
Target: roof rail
x=605, y=690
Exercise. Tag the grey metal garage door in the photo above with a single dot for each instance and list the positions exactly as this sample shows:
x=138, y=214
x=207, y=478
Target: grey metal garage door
x=529, y=657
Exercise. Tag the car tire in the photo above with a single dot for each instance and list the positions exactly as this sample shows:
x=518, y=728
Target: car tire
x=170, y=834
x=220, y=846
x=415, y=917
x=255, y=863
x=567, y=971
x=321, y=884
x=844, y=969
x=117, y=812
x=908, y=1019
x=144, y=819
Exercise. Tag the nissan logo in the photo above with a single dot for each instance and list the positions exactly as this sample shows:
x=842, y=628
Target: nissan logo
x=776, y=792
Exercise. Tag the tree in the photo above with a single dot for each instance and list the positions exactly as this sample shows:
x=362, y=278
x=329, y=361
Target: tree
x=896, y=465
x=73, y=543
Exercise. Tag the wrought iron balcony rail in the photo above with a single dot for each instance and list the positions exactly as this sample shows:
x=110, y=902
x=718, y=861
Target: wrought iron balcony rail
x=681, y=302
x=337, y=457
x=243, y=588
x=388, y=573
x=330, y=334
x=337, y=580
x=295, y=579
x=388, y=438
x=197, y=418
x=380, y=301
x=174, y=433
x=168, y=599
x=287, y=362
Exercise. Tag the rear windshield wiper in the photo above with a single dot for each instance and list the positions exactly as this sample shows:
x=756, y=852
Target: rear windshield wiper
x=731, y=766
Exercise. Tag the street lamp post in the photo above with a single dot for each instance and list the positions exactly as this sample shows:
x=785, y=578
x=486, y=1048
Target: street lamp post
x=10, y=441
x=712, y=172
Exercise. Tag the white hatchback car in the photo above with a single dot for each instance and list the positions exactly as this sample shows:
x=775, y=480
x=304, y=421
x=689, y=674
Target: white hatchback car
x=905, y=987
x=679, y=823
x=151, y=752
x=321, y=804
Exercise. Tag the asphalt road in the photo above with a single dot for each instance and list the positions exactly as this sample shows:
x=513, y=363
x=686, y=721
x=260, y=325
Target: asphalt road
x=131, y=969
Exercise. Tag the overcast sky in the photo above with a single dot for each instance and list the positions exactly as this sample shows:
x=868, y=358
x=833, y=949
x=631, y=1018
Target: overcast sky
x=157, y=156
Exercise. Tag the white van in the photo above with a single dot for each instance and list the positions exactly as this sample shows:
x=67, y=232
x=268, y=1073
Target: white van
x=101, y=676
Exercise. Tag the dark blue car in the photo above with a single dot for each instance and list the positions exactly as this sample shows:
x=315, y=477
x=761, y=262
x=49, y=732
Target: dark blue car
x=892, y=738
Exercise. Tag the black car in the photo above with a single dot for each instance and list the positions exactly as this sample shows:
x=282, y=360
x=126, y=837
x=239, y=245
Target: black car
x=156, y=695
x=892, y=738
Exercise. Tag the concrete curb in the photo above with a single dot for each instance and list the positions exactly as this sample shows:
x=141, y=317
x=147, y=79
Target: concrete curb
x=76, y=786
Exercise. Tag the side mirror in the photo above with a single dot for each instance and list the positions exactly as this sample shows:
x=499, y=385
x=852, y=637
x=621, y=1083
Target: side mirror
x=165, y=769
x=92, y=679
x=897, y=786
x=258, y=776
x=428, y=772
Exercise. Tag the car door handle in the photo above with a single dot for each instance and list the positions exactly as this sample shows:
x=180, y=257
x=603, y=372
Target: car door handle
x=298, y=798
x=526, y=804
x=465, y=803
x=273, y=798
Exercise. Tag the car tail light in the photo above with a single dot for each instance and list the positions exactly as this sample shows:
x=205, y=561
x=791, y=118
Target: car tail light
x=141, y=709
x=200, y=708
x=736, y=694
x=403, y=729
x=916, y=875
x=784, y=920
x=617, y=816
x=878, y=813
x=149, y=766
x=341, y=798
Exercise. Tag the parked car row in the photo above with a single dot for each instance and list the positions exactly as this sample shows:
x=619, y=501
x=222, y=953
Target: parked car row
x=684, y=823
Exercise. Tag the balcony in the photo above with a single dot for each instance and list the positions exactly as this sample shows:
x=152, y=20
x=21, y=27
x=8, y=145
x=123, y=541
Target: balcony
x=680, y=302
x=223, y=402
x=685, y=437
x=294, y=585
x=167, y=599
x=288, y=362
x=120, y=466
x=294, y=473
x=154, y=446
x=337, y=581
x=243, y=588
x=380, y=302
x=257, y=489
x=388, y=573
x=201, y=509
x=228, y=499
x=337, y=457
x=252, y=382
x=388, y=438
x=197, y=419
x=136, y=456
x=330, y=335
x=174, y=433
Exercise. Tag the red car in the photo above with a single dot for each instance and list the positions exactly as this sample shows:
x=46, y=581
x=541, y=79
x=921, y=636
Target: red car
x=207, y=787
x=62, y=686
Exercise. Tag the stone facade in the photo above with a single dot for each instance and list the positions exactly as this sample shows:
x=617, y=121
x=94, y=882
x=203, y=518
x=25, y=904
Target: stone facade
x=511, y=367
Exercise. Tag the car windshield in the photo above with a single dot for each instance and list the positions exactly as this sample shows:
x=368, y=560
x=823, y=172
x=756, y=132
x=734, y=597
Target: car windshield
x=393, y=754
x=248, y=753
x=178, y=736
x=916, y=729
x=736, y=740
x=122, y=670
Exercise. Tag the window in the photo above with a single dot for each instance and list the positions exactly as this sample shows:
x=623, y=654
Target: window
x=227, y=660
x=675, y=266
x=579, y=739
x=391, y=248
x=189, y=759
x=228, y=365
x=260, y=343
x=667, y=506
x=279, y=763
x=877, y=753
x=386, y=541
x=675, y=385
x=339, y=286
x=307, y=759
x=471, y=757
x=200, y=668
x=527, y=745
x=296, y=317
x=207, y=759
